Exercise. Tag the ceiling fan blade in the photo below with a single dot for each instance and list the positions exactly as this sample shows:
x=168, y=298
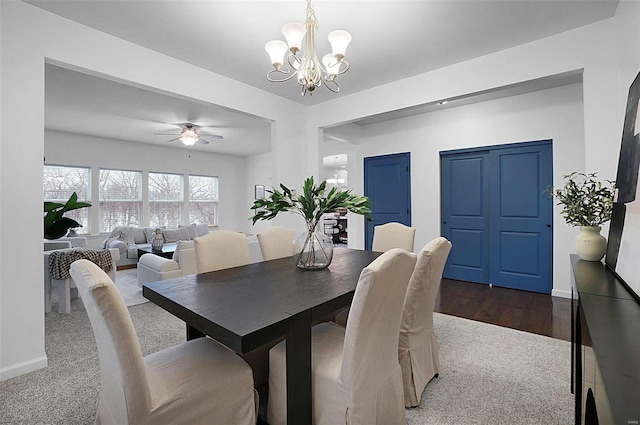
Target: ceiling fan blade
x=211, y=136
x=166, y=134
x=203, y=141
x=172, y=140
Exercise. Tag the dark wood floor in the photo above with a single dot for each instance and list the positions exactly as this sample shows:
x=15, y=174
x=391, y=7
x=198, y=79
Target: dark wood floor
x=526, y=311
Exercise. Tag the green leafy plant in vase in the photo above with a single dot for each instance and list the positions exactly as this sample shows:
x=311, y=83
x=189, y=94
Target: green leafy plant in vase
x=56, y=225
x=588, y=203
x=313, y=250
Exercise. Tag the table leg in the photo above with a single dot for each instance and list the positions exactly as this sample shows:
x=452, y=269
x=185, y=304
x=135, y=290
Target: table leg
x=299, y=369
x=193, y=333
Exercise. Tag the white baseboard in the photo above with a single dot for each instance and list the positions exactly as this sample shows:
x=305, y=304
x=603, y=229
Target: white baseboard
x=560, y=293
x=22, y=368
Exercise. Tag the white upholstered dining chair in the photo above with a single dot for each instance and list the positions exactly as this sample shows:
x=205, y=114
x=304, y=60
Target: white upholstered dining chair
x=393, y=235
x=198, y=381
x=276, y=242
x=385, y=237
x=417, y=347
x=356, y=377
x=221, y=249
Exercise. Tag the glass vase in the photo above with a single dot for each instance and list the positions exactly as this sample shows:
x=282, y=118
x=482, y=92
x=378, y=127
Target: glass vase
x=313, y=250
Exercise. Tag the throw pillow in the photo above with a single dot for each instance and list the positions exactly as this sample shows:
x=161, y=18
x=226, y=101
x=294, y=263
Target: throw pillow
x=118, y=233
x=192, y=230
x=148, y=233
x=202, y=229
x=175, y=235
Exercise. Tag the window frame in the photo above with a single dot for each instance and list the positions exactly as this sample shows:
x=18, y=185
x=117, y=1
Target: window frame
x=215, y=202
x=139, y=201
x=180, y=202
x=82, y=215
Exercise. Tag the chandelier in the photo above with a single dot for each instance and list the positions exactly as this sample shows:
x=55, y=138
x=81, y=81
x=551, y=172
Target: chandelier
x=309, y=70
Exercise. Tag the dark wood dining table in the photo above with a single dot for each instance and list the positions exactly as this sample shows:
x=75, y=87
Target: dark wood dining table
x=248, y=306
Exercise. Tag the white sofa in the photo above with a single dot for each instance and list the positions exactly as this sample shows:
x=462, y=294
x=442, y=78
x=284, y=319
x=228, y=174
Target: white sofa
x=66, y=288
x=152, y=267
x=140, y=237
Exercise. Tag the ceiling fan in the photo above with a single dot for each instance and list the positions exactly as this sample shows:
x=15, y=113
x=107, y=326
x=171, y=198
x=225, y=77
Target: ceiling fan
x=190, y=135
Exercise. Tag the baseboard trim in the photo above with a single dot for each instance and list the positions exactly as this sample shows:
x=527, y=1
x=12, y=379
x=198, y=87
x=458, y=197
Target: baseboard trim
x=22, y=368
x=127, y=266
x=560, y=293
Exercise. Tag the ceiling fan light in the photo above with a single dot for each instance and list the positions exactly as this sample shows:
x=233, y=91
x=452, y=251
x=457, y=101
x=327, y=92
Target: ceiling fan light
x=294, y=33
x=339, y=40
x=276, y=50
x=189, y=136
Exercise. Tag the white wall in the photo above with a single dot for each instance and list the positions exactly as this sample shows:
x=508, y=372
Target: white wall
x=30, y=36
x=589, y=49
x=555, y=114
x=260, y=170
x=608, y=55
x=605, y=51
x=628, y=55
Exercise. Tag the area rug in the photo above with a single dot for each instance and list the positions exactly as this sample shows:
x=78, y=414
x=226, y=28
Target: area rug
x=489, y=374
x=127, y=283
x=495, y=375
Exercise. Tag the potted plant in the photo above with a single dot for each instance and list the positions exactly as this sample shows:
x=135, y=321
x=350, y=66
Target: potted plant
x=313, y=250
x=588, y=203
x=55, y=224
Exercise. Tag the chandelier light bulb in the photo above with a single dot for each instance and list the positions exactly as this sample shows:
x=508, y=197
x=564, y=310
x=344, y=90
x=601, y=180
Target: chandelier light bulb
x=294, y=33
x=339, y=40
x=331, y=64
x=276, y=49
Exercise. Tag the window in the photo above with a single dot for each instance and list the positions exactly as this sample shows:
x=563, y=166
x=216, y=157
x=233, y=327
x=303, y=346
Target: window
x=120, y=197
x=203, y=200
x=60, y=182
x=165, y=199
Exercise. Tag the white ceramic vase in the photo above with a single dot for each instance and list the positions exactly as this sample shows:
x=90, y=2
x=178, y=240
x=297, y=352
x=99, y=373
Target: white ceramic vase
x=590, y=244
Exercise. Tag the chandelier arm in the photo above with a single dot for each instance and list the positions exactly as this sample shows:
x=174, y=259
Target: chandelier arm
x=280, y=72
x=331, y=82
x=346, y=68
x=341, y=71
x=296, y=61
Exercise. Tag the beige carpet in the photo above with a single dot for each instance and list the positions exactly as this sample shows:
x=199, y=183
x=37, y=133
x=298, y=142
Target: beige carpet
x=489, y=375
x=495, y=375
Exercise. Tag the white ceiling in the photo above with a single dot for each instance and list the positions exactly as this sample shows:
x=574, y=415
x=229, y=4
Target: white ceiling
x=86, y=104
x=391, y=40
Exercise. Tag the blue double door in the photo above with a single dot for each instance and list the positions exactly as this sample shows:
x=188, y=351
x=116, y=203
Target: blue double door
x=497, y=215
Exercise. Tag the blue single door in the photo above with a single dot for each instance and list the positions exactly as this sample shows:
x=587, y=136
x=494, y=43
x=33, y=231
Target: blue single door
x=387, y=184
x=497, y=215
x=465, y=215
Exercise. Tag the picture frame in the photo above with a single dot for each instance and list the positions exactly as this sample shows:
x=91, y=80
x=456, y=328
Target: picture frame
x=259, y=191
x=623, y=248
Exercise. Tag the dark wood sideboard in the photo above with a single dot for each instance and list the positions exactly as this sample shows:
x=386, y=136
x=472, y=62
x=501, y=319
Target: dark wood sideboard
x=605, y=350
